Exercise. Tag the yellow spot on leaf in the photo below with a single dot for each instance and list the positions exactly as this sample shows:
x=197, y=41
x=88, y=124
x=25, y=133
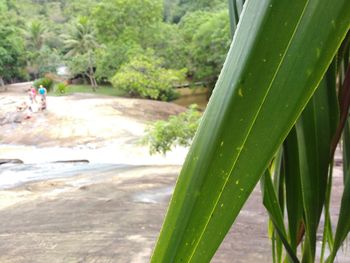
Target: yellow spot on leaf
x=318, y=52
x=240, y=92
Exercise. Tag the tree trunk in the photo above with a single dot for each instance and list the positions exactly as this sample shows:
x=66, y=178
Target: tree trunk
x=2, y=84
x=91, y=74
x=92, y=79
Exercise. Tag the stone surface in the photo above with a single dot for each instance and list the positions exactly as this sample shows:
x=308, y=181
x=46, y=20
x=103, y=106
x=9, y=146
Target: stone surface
x=3, y=161
x=115, y=218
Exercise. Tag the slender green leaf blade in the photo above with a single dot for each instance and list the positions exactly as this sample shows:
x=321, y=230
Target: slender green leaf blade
x=266, y=81
x=271, y=203
x=315, y=131
x=343, y=226
x=293, y=187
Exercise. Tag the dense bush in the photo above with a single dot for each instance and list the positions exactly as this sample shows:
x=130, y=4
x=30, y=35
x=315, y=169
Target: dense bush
x=145, y=77
x=177, y=130
x=46, y=82
x=207, y=35
x=61, y=88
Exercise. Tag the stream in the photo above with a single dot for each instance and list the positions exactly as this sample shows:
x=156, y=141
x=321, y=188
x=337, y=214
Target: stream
x=42, y=163
x=14, y=175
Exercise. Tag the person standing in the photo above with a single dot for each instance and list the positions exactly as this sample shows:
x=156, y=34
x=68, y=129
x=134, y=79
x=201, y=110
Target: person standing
x=43, y=92
x=32, y=94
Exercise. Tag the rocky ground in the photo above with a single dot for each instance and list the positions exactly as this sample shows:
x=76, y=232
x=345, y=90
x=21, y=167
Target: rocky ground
x=113, y=125
x=101, y=215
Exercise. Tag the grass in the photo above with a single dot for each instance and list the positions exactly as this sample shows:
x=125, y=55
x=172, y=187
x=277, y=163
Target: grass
x=101, y=90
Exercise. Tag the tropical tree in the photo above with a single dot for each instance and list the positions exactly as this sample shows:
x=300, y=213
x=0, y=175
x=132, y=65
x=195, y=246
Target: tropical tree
x=113, y=18
x=145, y=76
x=208, y=38
x=74, y=8
x=81, y=42
x=180, y=8
x=35, y=35
x=11, y=53
x=277, y=113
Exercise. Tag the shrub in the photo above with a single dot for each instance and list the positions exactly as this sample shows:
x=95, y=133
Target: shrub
x=61, y=88
x=177, y=130
x=46, y=82
x=145, y=77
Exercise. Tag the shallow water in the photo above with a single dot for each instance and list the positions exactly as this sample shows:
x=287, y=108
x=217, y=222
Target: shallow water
x=13, y=175
x=200, y=99
x=154, y=196
x=115, y=152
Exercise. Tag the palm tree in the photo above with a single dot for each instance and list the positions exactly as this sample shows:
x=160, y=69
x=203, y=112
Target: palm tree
x=35, y=35
x=81, y=40
x=274, y=114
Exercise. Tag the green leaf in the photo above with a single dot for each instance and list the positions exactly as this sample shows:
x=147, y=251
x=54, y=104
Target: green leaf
x=343, y=226
x=277, y=58
x=271, y=203
x=278, y=185
x=315, y=131
x=235, y=9
x=293, y=187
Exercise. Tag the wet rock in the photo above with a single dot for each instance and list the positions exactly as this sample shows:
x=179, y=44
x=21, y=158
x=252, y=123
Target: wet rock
x=4, y=161
x=73, y=161
x=12, y=117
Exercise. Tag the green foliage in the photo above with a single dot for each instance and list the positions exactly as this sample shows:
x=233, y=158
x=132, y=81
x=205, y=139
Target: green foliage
x=112, y=32
x=144, y=76
x=81, y=44
x=46, y=82
x=48, y=60
x=110, y=58
x=11, y=52
x=3, y=6
x=179, y=8
x=74, y=8
x=35, y=35
x=61, y=88
x=208, y=38
x=80, y=37
x=177, y=130
x=102, y=90
x=41, y=58
x=168, y=43
x=78, y=64
x=113, y=18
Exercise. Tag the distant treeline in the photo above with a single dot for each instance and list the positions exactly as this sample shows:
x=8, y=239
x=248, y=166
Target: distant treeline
x=99, y=39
